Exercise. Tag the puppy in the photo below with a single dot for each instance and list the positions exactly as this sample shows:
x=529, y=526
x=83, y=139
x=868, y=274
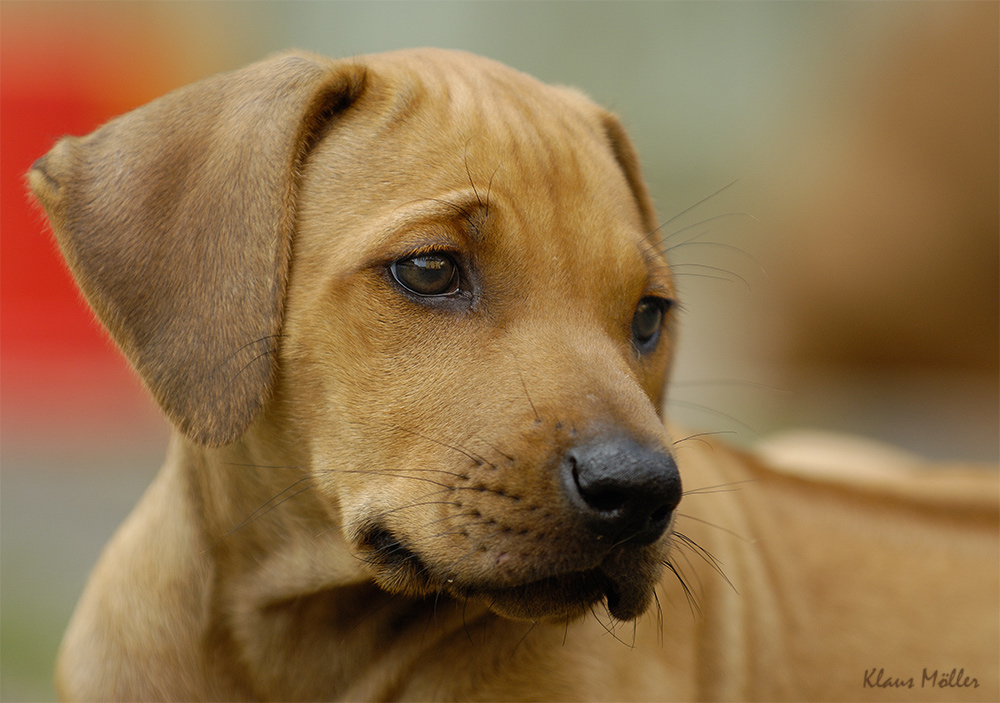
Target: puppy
x=411, y=319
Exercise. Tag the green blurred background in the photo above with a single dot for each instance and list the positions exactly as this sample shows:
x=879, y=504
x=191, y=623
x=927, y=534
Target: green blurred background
x=852, y=283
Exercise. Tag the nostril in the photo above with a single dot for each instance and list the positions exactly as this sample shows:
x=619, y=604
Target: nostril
x=603, y=499
x=607, y=501
x=661, y=514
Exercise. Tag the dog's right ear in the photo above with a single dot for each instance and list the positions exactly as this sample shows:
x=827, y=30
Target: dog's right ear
x=176, y=220
x=628, y=160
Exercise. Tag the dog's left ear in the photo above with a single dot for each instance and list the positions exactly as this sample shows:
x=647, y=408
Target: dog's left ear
x=176, y=220
x=628, y=159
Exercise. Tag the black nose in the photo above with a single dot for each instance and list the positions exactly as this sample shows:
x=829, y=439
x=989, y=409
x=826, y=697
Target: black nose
x=621, y=489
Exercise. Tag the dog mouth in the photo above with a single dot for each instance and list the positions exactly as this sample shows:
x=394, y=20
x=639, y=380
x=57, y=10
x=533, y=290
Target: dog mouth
x=623, y=580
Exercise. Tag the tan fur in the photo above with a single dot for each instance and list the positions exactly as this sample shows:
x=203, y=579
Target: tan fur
x=235, y=238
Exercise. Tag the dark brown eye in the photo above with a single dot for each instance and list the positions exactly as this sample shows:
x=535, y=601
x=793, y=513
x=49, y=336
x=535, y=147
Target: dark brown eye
x=427, y=275
x=647, y=322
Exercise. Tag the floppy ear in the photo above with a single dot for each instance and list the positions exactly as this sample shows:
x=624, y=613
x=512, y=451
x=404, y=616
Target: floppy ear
x=628, y=159
x=176, y=220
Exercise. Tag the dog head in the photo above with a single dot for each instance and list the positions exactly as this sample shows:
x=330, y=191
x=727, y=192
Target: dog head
x=437, y=276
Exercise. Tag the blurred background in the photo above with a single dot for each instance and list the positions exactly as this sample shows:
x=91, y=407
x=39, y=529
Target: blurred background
x=846, y=279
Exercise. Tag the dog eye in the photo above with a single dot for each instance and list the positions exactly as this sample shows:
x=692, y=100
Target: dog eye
x=427, y=275
x=647, y=322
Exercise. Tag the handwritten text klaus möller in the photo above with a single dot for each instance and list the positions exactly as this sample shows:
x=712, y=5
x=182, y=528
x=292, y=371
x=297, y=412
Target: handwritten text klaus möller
x=956, y=678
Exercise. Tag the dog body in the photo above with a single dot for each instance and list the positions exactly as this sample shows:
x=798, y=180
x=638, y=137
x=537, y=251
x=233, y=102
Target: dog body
x=411, y=317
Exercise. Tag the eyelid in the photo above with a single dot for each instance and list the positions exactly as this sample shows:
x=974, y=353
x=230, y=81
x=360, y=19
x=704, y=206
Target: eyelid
x=441, y=247
x=449, y=221
x=659, y=287
x=665, y=300
x=418, y=239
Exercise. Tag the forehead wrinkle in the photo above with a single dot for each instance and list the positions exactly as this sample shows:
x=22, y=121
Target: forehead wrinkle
x=471, y=101
x=547, y=151
x=497, y=116
x=452, y=207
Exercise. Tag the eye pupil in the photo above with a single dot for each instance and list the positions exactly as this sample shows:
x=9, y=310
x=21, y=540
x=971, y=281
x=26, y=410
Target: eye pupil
x=647, y=321
x=427, y=275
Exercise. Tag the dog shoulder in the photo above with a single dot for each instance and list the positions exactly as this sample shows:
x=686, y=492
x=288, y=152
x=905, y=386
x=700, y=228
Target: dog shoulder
x=875, y=468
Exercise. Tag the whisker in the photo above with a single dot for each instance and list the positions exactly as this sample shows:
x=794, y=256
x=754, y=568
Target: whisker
x=721, y=488
x=717, y=527
x=489, y=188
x=478, y=460
x=720, y=245
x=502, y=453
x=696, y=406
x=267, y=338
x=465, y=624
x=461, y=211
x=471, y=516
x=262, y=355
x=269, y=505
x=262, y=466
x=528, y=396
x=390, y=474
x=659, y=619
x=707, y=556
x=732, y=276
x=692, y=207
x=687, y=560
x=688, y=594
x=707, y=276
x=525, y=636
x=700, y=223
x=465, y=159
x=607, y=628
x=726, y=382
x=699, y=435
